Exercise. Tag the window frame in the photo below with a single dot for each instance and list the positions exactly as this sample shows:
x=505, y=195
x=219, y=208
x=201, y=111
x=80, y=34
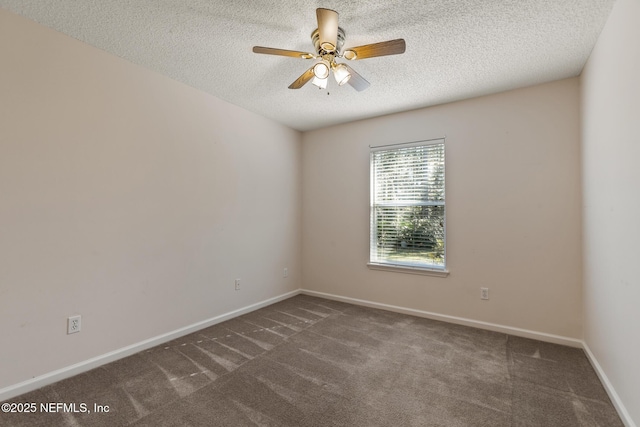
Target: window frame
x=410, y=268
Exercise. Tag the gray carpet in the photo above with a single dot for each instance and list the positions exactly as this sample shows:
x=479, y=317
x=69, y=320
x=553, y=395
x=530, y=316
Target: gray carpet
x=313, y=362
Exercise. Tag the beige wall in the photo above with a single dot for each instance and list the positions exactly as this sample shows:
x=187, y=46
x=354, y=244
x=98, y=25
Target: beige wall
x=611, y=186
x=513, y=209
x=130, y=199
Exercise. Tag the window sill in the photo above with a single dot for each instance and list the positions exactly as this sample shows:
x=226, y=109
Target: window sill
x=409, y=270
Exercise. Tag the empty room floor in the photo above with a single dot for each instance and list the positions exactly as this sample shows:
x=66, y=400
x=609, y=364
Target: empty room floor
x=308, y=361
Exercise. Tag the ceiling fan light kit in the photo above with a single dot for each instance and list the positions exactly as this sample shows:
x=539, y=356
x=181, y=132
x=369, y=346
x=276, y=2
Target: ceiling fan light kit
x=328, y=40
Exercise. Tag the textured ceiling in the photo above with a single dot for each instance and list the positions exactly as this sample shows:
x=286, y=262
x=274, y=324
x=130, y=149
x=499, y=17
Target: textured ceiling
x=456, y=49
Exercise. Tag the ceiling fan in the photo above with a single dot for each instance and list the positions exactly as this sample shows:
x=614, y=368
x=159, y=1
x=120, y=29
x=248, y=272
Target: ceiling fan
x=328, y=40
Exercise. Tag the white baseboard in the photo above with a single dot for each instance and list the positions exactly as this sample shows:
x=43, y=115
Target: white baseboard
x=69, y=371
x=541, y=336
x=78, y=368
x=615, y=399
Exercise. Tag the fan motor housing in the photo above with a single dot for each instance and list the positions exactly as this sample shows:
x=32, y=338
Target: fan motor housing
x=315, y=39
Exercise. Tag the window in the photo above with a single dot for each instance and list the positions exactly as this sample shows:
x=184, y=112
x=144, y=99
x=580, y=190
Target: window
x=408, y=206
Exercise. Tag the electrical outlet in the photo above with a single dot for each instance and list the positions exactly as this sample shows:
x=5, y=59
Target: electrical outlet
x=285, y=273
x=484, y=293
x=73, y=324
x=237, y=284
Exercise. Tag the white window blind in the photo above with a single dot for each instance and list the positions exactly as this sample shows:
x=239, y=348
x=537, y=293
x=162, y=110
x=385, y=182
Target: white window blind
x=408, y=205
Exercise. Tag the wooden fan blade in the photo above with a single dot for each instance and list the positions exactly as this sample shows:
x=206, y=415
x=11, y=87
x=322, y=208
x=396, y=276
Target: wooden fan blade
x=357, y=81
x=282, y=52
x=303, y=79
x=327, y=28
x=391, y=47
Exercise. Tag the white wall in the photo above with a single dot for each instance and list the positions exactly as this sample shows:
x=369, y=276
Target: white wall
x=126, y=196
x=611, y=211
x=513, y=209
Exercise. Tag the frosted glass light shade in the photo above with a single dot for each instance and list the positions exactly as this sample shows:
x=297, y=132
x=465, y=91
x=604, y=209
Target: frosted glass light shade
x=321, y=69
x=341, y=73
x=321, y=83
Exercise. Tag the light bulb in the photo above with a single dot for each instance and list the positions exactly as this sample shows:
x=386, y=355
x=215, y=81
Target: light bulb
x=321, y=69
